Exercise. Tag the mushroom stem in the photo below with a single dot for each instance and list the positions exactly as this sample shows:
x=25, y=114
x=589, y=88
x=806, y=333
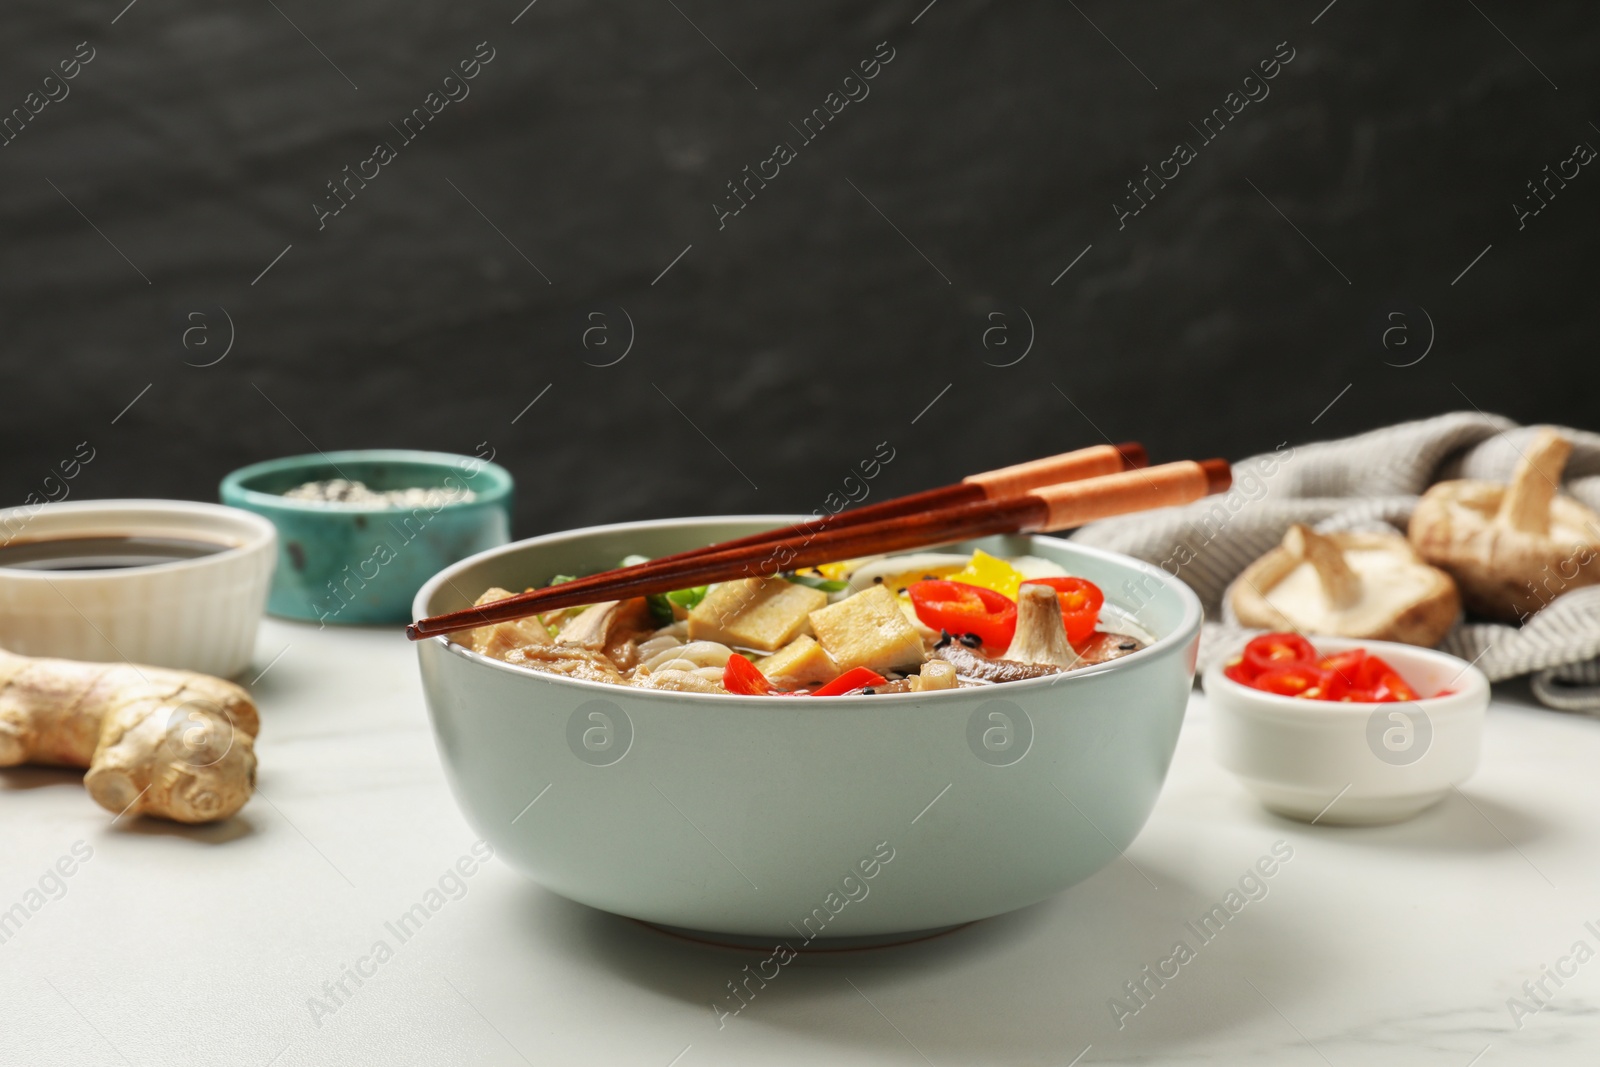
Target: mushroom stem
x=1041, y=636
x=1526, y=504
x=1340, y=584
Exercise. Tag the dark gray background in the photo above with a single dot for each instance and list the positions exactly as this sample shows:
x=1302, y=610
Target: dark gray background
x=809, y=329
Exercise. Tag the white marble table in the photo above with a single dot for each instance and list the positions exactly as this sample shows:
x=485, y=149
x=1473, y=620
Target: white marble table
x=177, y=946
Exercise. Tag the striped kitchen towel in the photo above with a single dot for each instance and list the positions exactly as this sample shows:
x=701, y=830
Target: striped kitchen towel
x=1372, y=481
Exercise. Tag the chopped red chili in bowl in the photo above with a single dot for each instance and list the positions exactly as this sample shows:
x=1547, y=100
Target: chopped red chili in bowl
x=1288, y=665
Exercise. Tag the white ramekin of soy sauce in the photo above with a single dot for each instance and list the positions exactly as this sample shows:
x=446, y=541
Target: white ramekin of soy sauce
x=169, y=583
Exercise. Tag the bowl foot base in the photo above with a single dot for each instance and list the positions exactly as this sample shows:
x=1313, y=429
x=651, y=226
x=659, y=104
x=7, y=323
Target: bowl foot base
x=1347, y=810
x=760, y=943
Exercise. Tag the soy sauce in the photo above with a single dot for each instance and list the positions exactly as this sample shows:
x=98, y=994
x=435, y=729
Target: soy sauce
x=105, y=553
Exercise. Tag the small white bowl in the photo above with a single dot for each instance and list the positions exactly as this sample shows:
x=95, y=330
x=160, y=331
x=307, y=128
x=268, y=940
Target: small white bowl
x=1349, y=763
x=198, y=614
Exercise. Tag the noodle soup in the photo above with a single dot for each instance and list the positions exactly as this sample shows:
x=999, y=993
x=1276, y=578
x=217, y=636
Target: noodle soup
x=917, y=622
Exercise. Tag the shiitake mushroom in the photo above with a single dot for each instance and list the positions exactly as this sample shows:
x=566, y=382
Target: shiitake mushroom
x=1511, y=548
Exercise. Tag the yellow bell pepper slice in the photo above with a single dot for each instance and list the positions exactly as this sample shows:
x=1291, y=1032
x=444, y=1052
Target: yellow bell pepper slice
x=990, y=572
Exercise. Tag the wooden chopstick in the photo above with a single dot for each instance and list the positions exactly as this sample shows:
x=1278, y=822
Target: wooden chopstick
x=1054, y=507
x=998, y=484
x=990, y=485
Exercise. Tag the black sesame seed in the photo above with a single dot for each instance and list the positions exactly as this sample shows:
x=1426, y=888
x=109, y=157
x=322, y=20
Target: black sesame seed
x=1128, y=646
x=972, y=640
x=902, y=590
x=868, y=691
x=944, y=639
x=877, y=581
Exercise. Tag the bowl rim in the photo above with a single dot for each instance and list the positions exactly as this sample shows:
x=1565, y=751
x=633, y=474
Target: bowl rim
x=262, y=535
x=1471, y=684
x=233, y=490
x=1186, y=630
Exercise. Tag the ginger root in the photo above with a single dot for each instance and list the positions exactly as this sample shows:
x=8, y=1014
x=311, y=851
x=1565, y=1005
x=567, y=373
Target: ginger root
x=155, y=741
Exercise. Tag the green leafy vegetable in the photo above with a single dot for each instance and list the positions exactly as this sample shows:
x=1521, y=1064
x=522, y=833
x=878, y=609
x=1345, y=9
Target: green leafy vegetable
x=660, y=608
x=827, y=585
x=687, y=599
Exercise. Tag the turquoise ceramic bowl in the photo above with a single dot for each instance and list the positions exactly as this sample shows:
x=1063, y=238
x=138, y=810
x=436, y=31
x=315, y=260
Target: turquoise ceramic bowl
x=363, y=565
x=803, y=819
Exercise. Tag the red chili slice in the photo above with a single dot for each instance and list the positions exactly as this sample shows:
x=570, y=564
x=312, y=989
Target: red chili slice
x=742, y=678
x=1240, y=672
x=1332, y=687
x=851, y=680
x=1279, y=650
x=1295, y=680
x=1349, y=665
x=1081, y=601
x=959, y=608
x=1370, y=678
x=1387, y=685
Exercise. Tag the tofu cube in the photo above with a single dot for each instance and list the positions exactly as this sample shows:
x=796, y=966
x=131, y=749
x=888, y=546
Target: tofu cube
x=800, y=662
x=759, y=613
x=868, y=630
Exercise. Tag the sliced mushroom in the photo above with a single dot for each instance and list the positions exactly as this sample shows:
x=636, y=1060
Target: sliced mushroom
x=1372, y=586
x=1041, y=636
x=500, y=638
x=1104, y=647
x=972, y=664
x=601, y=625
x=1515, y=548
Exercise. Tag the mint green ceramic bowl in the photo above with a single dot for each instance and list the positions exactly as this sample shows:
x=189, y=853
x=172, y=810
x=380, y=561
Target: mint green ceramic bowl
x=363, y=565
x=843, y=817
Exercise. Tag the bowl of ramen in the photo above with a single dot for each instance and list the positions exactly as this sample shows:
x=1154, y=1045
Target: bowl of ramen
x=874, y=747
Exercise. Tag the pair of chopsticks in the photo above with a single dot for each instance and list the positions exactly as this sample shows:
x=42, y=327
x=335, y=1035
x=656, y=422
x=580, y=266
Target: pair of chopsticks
x=1056, y=493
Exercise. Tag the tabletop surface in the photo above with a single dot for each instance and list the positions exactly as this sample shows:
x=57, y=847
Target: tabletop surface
x=172, y=945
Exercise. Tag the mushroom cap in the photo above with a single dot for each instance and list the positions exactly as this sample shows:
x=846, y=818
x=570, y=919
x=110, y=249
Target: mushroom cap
x=1503, y=572
x=1423, y=619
